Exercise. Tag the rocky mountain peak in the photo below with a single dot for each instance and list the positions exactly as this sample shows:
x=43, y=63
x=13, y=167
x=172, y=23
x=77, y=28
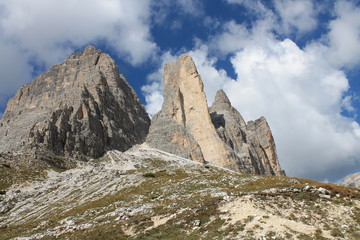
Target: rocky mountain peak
x=78, y=108
x=187, y=127
x=221, y=100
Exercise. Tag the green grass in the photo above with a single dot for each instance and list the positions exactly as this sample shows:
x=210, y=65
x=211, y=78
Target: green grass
x=149, y=175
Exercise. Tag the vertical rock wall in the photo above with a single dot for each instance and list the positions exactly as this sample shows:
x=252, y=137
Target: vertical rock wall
x=187, y=127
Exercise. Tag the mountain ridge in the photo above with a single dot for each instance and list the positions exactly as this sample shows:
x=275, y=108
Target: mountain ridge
x=164, y=188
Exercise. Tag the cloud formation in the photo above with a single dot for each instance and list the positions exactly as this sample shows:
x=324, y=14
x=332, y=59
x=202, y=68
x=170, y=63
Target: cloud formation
x=296, y=15
x=344, y=35
x=302, y=97
x=44, y=32
x=301, y=91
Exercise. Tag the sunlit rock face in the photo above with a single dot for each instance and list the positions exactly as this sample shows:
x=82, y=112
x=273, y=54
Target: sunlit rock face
x=186, y=126
x=352, y=180
x=79, y=108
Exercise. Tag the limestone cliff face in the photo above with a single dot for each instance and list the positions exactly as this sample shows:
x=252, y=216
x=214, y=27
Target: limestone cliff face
x=352, y=180
x=187, y=127
x=259, y=133
x=252, y=143
x=78, y=108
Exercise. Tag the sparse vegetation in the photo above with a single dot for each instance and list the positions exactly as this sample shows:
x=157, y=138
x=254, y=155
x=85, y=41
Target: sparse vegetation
x=176, y=202
x=148, y=175
x=336, y=232
x=5, y=165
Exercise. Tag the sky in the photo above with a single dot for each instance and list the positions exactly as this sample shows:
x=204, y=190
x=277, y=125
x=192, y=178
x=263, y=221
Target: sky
x=296, y=62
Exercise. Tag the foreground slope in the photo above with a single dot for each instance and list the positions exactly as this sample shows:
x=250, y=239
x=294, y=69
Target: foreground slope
x=145, y=193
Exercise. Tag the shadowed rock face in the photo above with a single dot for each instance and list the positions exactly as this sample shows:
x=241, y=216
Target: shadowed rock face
x=185, y=106
x=79, y=108
x=187, y=127
x=252, y=143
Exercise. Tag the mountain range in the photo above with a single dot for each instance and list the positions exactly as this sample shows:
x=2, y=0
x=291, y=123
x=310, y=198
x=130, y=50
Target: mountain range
x=81, y=159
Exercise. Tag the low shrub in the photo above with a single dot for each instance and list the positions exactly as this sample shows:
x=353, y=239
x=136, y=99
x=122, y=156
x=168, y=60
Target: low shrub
x=148, y=175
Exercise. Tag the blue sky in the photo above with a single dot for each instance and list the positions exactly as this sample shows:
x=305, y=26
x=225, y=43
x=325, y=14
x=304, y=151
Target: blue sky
x=296, y=62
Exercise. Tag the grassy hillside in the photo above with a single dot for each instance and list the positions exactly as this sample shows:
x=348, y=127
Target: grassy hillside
x=148, y=194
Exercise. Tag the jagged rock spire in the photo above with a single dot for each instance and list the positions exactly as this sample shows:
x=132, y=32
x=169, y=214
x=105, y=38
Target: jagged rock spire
x=187, y=127
x=221, y=100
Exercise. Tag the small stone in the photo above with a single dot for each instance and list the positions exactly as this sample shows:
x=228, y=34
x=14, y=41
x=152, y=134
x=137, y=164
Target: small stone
x=7, y=206
x=226, y=198
x=197, y=223
x=294, y=181
x=324, y=196
x=345, y=227
x=323, y=191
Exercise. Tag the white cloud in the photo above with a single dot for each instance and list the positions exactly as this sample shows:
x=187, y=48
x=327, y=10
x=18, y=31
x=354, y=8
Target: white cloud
x=235, y=37
x=301, y=95
x=153, y=90
x=46, y=31
x=302, y=92
x=213, y=78
x=43, y=26
x=344, y=35
x=296, y=15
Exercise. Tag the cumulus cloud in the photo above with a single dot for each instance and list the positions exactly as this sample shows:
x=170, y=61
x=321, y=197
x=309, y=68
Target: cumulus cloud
x=296, y=15
x=287, y=16
x=153, y=90
x=44, y=32
x=213, y=78
x=344, y=35
x=234, y=37
x=301, y=91
x=302, y=96
x=47, y=28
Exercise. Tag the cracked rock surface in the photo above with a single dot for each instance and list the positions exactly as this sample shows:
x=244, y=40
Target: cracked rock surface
x=79, y=108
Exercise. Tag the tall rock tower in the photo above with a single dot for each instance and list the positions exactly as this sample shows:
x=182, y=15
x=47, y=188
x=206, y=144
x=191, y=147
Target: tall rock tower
x=79, y=108
x=185, y=126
